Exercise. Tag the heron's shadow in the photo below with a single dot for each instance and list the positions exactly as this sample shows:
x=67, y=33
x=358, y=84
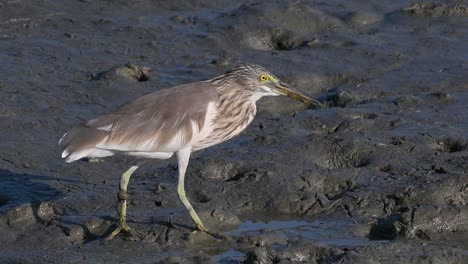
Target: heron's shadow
x=17, y=189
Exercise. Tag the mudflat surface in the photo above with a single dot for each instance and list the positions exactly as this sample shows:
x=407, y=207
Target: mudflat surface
x=379, y=175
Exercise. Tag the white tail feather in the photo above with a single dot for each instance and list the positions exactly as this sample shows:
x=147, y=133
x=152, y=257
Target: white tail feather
x=60, y=141
x=65, y=153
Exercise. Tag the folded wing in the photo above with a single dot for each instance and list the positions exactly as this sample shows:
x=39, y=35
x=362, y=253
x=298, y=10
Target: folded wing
x=164, y=121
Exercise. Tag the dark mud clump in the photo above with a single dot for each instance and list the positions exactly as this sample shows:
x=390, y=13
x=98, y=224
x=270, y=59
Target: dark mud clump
x=451, y=145
x=301, y=251
x=438, y=9
x=339, y=153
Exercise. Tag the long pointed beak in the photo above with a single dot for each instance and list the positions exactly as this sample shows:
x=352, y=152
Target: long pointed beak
x=291, y=92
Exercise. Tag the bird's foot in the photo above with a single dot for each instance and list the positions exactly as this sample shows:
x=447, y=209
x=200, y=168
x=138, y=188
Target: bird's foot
x=123, y=228
x=201, y=228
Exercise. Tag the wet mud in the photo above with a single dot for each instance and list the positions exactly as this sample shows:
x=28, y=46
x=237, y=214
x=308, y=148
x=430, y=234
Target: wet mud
x=378, y=175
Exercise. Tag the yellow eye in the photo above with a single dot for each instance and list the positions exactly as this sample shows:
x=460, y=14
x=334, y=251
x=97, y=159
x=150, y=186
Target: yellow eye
x=263, y=77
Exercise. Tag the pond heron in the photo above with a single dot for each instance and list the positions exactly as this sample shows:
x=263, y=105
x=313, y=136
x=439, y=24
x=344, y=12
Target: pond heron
x=179, y=120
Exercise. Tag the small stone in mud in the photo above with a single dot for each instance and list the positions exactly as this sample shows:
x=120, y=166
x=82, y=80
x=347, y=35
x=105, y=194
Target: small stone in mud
x=260, y=256
x=407, y=100
x=314, y=43
x=76, y=233
x=342, y=99
x=384, y=167
x=225, y=218
x=159, y=188
x=220, y=219
x=363, y=19
x=265, y=139
x=442, y=97
x=451, y=145
x=127, y=71
x=96, y=226
x=45, y=211
x=216, y=169
x=390, y=227
x=261, y=239
x=20, y=217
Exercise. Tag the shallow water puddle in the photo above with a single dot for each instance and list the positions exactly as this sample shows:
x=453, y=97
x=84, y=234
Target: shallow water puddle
x=336, y=233
x=229, y=256
x=332, y=232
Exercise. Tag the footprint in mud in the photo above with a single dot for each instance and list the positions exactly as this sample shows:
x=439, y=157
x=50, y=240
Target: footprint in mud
x=339, y=153
x=266, y=27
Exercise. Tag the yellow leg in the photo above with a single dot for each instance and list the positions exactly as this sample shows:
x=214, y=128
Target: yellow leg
x=122, y=196
x=188, y=206
x=183, y=157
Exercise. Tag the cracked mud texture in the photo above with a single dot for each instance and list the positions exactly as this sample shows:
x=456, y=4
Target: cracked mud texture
x=379, y=175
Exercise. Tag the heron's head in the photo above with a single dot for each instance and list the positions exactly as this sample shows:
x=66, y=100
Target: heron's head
x=262, y=82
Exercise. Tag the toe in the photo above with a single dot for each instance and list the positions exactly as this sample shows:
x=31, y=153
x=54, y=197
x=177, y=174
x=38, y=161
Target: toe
x=209, y=232
x=113, y=234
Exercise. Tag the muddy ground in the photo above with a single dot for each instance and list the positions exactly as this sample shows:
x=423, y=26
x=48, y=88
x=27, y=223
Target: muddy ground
x=379, y=175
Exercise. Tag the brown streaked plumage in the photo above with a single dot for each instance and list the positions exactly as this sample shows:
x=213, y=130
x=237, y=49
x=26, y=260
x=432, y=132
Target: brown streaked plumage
x=179, y=120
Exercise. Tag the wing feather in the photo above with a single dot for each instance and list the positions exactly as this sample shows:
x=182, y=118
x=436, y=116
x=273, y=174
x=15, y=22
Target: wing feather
x=164, y=121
